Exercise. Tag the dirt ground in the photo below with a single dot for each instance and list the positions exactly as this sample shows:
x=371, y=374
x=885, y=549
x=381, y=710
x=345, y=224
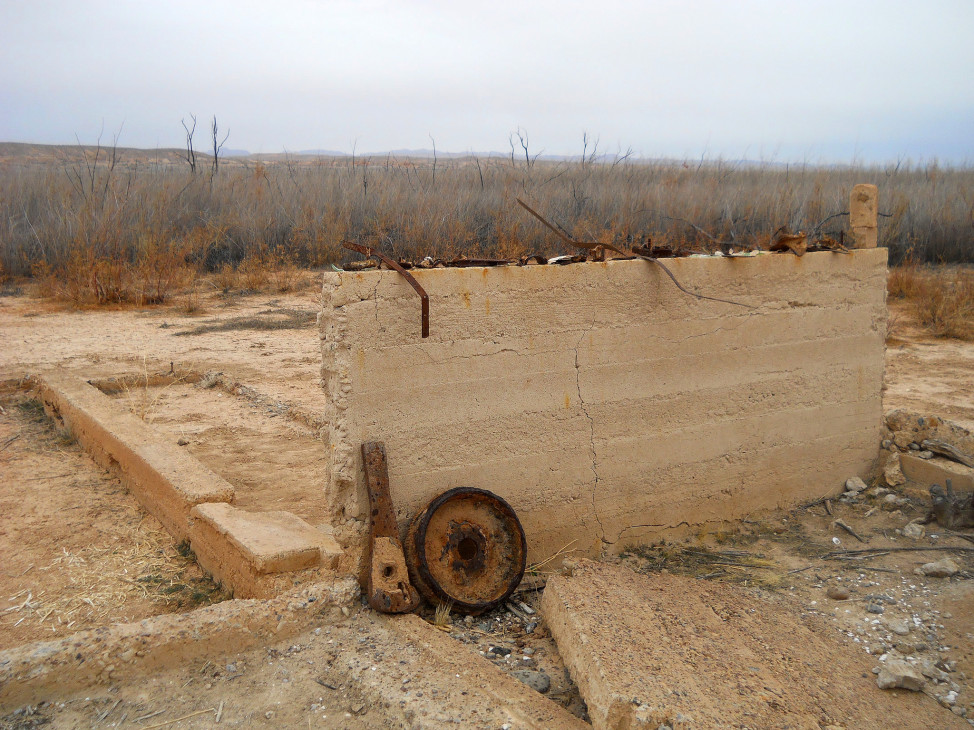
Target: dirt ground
x=78, y=551
x=256, y=427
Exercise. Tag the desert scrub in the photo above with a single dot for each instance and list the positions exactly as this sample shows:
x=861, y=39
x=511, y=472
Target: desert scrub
x=941, y=297
x=100, y=238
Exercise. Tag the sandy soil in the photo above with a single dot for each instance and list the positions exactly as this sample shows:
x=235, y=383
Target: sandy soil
x=274, y=462
x=263, y=439
x=78, y=551
x=926, y=374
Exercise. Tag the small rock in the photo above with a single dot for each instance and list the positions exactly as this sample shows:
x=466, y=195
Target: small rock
x=529, y=629
x=905, y=648
x=940, y=569
x=358, y=707
x=182, y=441
x=529, y=651
x=898, y=674
x=887, y=444
x=874, y=608
x=914, y=531
x=914, y=446
x=898, y=626
x=838, y=593
x=538, y=681
x=499, y=650
x=929, y=669
x=855, y=484
x=894, y=501
x=925, y=454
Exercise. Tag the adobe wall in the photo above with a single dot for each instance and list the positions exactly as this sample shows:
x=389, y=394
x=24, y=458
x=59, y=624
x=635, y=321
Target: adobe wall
x=604, y=404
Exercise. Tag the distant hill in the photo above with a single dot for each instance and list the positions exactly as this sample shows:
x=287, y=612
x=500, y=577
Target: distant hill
x=25, y=154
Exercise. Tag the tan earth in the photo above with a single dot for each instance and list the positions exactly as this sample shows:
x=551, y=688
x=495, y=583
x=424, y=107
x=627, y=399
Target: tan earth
x=78, y=549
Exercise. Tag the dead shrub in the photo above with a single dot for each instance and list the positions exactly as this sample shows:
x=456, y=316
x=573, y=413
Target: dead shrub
x=944, y=303
x=904, y=281
x=253, y=270
x=226, y=278
x=159, y=271
x=285, y=274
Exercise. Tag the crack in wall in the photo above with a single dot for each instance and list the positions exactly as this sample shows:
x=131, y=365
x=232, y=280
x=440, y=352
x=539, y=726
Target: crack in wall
x=624, y=530
x=591, y=423
x=375, y=295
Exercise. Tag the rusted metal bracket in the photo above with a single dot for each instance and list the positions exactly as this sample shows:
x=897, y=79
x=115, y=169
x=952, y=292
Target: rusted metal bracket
x=389, y=589
x=423, y=297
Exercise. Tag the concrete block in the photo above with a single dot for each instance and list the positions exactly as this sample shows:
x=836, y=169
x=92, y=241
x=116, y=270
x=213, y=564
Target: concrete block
x=864, y=215
x=165, y=479
x=652, y=650
x=605, y=405
x=259, y=554
x=937, y=470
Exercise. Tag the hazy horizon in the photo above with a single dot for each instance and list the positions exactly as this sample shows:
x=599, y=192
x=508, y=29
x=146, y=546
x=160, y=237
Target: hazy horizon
x=823, y=83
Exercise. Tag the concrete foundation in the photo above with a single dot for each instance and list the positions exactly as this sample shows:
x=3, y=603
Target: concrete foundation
x=654, y=650
x=253, y=554
x=605, y=405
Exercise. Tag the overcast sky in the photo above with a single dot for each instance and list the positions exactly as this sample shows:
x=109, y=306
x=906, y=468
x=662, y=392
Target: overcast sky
x=787, y=81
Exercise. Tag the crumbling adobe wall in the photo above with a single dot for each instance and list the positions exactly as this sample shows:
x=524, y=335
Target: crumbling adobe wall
x=604, y=404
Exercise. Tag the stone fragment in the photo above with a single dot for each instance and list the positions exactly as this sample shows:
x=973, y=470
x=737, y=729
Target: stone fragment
x=538, y=681
x=892, y=472
x=838, y=593
x=898, y=674
x=887, y=444
x=855, y=484
x=898, y=626
x=874, y=608
x=925, y=454
x=929, y=669
x=940, y=569
x=894, y=501
x=914, y=531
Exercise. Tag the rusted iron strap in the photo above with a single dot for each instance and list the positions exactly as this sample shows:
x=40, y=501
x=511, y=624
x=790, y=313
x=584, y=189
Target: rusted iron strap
x=587, y=245
x=423, y=297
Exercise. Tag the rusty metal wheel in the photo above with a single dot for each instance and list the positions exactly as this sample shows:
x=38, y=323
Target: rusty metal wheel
x=466, y=548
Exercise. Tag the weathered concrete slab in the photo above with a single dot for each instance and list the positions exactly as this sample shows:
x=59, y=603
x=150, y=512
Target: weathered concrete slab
x=273, y=542
x=647, y=650
x=51, y=670
x=460, y=688
x=938, y=470
x=165, y=479
x=255, y=555
x=602, y=403
x=411, y=674
x=260, y=554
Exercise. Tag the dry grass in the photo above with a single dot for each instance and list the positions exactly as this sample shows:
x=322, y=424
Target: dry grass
x=118, y=234
x=942, y=297
x=736, y=566
x=146, y=564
